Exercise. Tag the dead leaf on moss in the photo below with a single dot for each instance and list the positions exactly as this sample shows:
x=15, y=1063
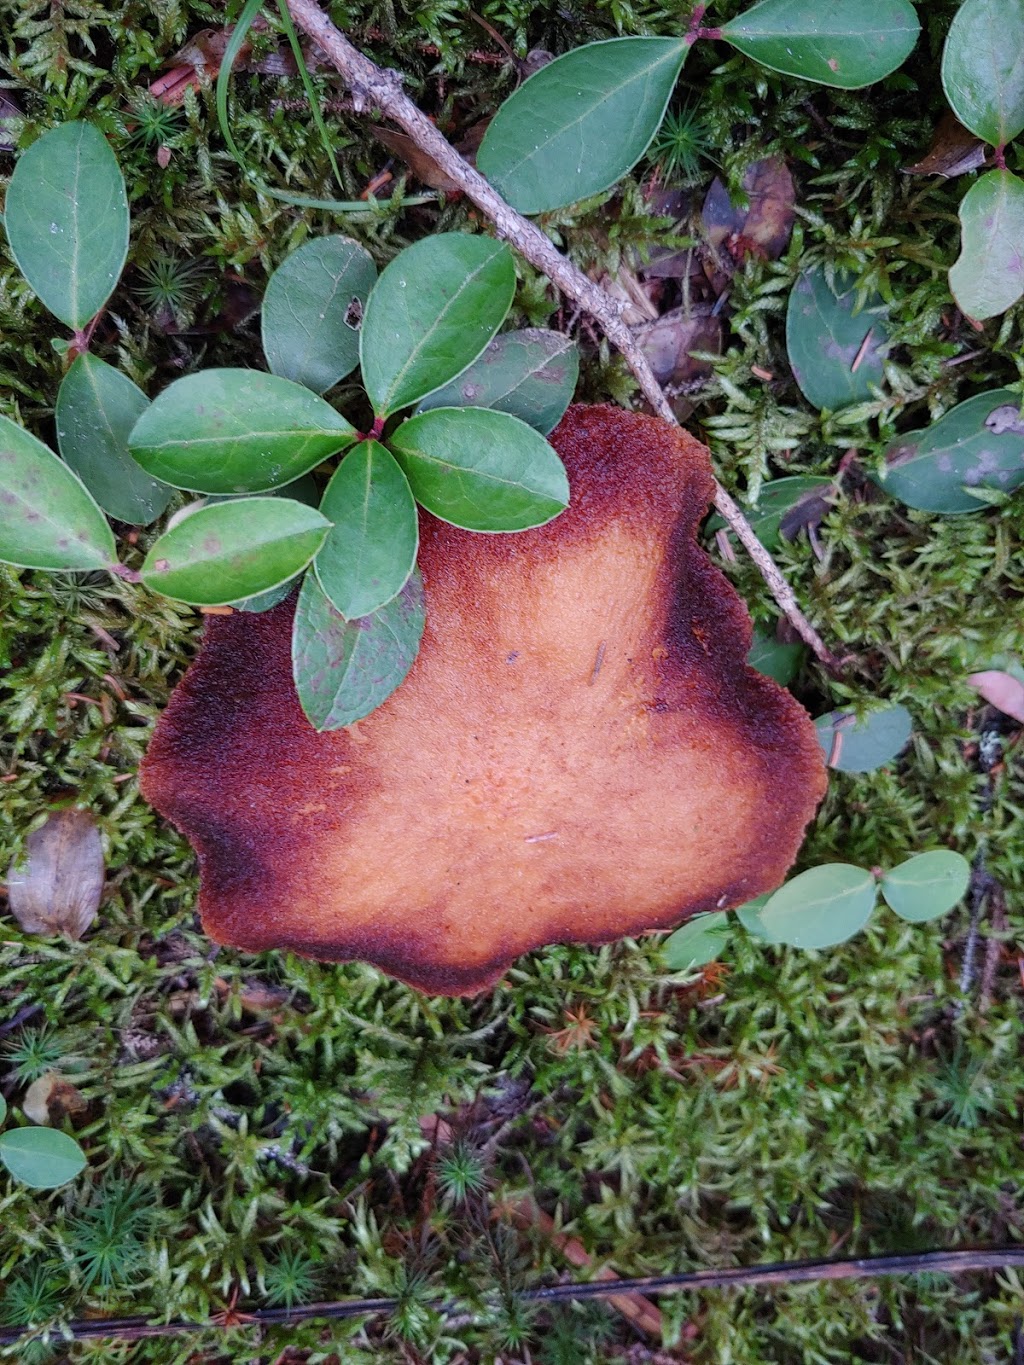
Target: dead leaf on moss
x=51, y=1099
x=423, y=166
x=58, y=885
x=668, y=343
x=763, y=228
x=954, y=151
x=204, y=53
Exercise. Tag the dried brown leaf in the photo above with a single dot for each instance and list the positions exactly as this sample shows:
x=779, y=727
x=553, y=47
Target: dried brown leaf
x=764, y=226
x=423, y=166
x=58, y=885
x=668, y=342
x=51, y=1098
x=954, y=151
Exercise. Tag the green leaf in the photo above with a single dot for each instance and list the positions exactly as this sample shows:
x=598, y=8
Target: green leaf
x=265, y=601
x=430, y=314
x=979, y=444
x=311, y=311
x=781, y=507
x=749, y=915
x=834, y=352
x=233, y=550
x=370, y=551
x=482, y=470
x=3, y=1109
x=48, y=519
x=343, y=669
x=41, y=1158
x=581, y=122
x=97, y=406
x=775, y=659
x=982, y=72
x=988, y=275
x=67, y=221
x=927, y=885
x=859, y=746
x=701, y=940
x=236, y=431
x=531, y=374
x=822, y=907
x=842, y=43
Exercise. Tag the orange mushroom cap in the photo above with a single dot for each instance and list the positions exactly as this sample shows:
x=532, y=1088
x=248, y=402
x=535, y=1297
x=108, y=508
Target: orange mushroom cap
x=580, y=751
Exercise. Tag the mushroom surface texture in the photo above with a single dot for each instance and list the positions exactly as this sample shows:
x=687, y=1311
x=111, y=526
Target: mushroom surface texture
x=580, y=751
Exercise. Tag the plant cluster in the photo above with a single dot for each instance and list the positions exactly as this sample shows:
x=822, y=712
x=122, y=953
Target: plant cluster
x=419, y=333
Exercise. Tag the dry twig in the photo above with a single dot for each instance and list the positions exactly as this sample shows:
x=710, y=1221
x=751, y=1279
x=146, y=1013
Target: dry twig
x=372, y=87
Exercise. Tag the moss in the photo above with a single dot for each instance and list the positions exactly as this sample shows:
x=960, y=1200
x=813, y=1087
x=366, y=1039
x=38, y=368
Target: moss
x=798, y=1104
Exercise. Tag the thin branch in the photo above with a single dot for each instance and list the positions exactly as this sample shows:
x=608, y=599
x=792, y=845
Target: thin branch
x=954, y=1262
x=374, y=88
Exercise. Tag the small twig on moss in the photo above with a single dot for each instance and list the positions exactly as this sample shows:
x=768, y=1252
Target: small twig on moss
x=956, y=1261
x=374, y=88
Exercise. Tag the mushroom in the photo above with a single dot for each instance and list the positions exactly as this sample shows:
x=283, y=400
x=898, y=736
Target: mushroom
x=580, y=751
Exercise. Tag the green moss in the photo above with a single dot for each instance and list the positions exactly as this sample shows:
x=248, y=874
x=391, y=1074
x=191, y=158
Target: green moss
x=848, y=1102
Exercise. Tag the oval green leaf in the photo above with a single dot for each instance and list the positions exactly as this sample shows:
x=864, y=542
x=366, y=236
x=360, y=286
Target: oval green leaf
x=775, y=659
x=834, y=352
x=820, y=908
x=979, y=444
x=531, y=374
x=311, y=311
x=481, y=470
x=234, y=550
x=430, y=314
x=236, y=431
x=343, y=669
x=581, y=122
x=97, y=406
x=371, y=548
x=67, y=221
x=48, y=519
x=3, y=1109
x=982, y=71
x=844, y=43
x=988, y=275
x=265, y=601
x=749, y=915
x=41, y=1158
x=859, y=746
x=700, y=941
x=927, y=885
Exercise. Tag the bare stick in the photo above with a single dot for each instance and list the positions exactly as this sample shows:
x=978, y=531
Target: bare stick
x=372, y=87
x=955, y=1261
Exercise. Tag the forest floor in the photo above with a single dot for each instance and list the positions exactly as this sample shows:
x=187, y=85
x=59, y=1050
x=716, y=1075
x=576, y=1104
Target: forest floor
x=270, y=1131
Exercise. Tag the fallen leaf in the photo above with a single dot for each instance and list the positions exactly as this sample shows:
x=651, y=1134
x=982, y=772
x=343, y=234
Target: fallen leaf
x=954, y=151
x=1001, y=690
x=422, y=165
x=51, y=1098
x=667, y=343
x=763, y=228
x=204, y=53
x=58, y=885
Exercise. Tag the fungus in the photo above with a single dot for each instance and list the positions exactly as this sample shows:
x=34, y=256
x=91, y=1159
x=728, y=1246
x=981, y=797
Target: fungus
x=579, y=753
